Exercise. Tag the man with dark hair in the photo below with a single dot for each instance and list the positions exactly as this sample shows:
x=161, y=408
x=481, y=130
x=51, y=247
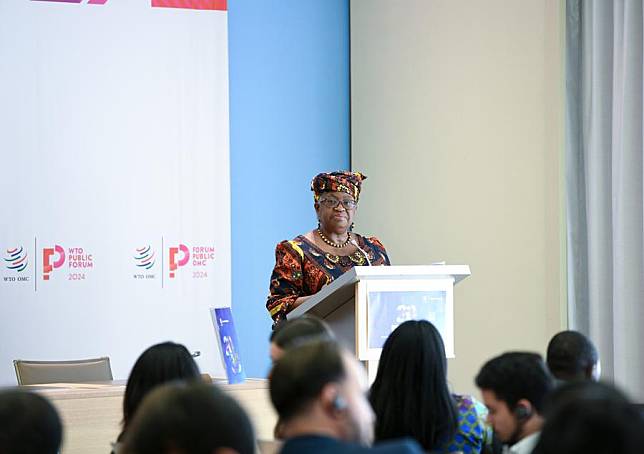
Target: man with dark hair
x=297, y=331
x=194, y=418
x=28, y=424
x=588, y=417
x=319, y=392
x=514, y=386
x=572, y=356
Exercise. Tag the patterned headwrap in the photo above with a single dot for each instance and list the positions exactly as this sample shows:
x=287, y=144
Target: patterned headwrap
x=341, y=181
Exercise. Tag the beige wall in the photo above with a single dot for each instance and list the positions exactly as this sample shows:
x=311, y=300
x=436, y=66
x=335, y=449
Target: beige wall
x=457, y=119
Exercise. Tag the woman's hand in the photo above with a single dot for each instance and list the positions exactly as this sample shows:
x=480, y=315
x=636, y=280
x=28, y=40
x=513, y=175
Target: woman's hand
x=300, y=300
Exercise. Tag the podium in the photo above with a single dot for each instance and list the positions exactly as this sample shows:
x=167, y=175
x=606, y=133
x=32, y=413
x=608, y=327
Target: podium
x=365, y=304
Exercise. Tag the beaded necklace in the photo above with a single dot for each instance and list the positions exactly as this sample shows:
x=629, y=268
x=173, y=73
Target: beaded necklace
x=331, y=243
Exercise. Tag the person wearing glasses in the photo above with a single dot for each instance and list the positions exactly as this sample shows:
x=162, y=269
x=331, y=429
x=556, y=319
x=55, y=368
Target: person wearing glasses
x=308, y=262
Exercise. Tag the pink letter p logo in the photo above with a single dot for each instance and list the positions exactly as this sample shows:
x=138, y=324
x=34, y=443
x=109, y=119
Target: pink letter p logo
x=47, y=266
x=174, y=263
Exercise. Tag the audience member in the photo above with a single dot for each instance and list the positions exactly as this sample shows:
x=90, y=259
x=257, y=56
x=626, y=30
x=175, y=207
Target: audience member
x=298, y=330
x=588, y=417
x=572, y=356
x=157, y=365
x=318, y=390
x=410, y=395
x=289, y=333
x=189, y=418
x=514, y=386
x=29, y=424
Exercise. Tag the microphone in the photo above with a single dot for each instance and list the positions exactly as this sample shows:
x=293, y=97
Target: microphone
x=355, y=243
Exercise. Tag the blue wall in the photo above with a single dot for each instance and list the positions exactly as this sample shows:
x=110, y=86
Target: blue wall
x=289, y=120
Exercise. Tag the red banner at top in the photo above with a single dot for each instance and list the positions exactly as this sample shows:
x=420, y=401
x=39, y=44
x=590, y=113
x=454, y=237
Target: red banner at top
x=220, y=5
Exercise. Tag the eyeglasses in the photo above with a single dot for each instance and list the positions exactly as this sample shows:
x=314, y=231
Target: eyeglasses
x=332, y=203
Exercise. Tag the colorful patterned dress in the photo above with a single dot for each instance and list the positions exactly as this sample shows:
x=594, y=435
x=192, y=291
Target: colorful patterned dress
x=302, y=269
x=474, y=435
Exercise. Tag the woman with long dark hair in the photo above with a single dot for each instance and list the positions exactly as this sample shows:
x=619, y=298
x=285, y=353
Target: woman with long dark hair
x=411, y=398
x=159, y=364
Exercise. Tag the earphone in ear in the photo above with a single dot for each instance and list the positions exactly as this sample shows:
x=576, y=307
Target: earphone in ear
x=522, y=412
x=339, y=403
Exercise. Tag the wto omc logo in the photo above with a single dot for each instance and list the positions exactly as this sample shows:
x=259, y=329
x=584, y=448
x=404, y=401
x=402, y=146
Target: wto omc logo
x=17, y=259
x=174, y=263
x=47, y=264
x=145, y=257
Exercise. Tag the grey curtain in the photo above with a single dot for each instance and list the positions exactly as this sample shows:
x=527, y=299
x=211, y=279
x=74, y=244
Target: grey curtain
x=605, y=183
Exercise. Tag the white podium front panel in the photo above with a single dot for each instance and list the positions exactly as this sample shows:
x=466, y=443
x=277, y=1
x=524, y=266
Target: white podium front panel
x=383, y=305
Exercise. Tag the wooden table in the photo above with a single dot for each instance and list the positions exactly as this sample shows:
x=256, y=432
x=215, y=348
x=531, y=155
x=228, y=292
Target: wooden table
x=92, y=412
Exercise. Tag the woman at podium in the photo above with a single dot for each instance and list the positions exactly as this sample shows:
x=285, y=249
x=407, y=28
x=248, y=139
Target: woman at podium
x=310, y=261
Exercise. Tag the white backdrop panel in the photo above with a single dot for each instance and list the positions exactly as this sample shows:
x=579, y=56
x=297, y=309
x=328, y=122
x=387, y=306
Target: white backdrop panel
x=114, y=137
